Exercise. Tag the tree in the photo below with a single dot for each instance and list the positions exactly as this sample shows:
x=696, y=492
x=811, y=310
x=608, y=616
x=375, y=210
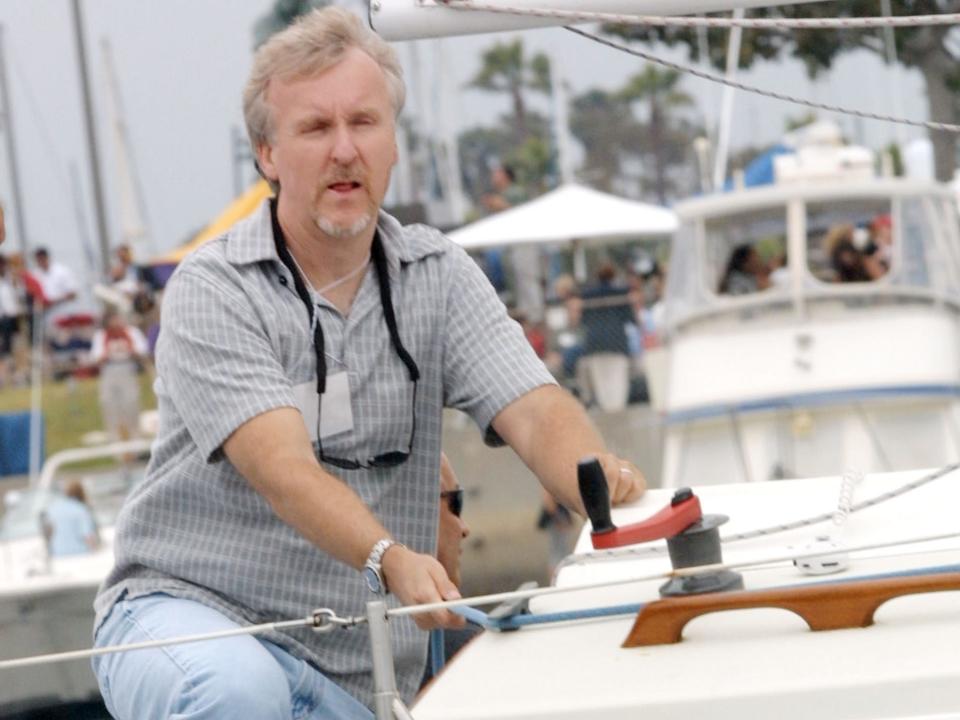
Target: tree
x=666, y=138
x=505, y=69
x=933, y=51
x=530, y=159
x=604, y=124
x=280, y=15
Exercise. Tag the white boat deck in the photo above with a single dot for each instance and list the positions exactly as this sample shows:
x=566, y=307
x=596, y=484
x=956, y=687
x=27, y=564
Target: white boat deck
x=741, y=664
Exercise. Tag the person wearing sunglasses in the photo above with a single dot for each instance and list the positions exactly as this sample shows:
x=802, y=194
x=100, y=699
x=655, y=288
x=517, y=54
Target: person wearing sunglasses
x=304, y=364
x=451, y=532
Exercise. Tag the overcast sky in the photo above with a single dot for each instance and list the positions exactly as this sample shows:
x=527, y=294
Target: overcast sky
x=181, y=65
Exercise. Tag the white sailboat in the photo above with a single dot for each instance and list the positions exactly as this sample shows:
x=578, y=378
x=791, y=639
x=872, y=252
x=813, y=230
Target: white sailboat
x=805, y=378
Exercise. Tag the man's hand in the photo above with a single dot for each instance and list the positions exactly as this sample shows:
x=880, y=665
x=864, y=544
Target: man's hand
x=624, y=479
x=417, y=579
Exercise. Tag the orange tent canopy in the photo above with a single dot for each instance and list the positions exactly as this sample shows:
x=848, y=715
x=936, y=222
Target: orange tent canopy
x=240, y=208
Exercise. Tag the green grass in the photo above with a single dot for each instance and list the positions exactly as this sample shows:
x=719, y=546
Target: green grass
x=70, y=409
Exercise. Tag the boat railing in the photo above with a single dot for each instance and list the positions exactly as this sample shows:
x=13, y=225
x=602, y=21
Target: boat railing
x=746, y=306
x=76, y=455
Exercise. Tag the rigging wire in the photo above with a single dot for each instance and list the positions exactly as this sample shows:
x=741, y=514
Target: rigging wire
x=325, y=620
x=758, y=23
x=930, y=125
x=837, y=23
x=46, y=137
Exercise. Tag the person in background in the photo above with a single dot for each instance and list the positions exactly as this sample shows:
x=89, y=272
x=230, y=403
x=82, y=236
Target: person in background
x=878, y=253
x=124, y=275
x=533, y=332
x=59, y=284
x=68, y=523
x=452, y=531
x=10, y=312
x=304, y=365
x=136, y=283
x=567, y=293
x=119, y=351
x=846, y=260
x=526, y=267
x=603, y=372
x=559, y=524
x=745, y=272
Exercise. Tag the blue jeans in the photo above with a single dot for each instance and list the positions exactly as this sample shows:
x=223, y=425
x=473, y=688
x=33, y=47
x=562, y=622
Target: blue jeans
x=235, y=677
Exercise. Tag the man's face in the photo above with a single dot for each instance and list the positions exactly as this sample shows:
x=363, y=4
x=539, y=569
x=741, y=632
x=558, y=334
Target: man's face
x=453, y=530
x=43, y=261
x=499, y=179
x=332, y=145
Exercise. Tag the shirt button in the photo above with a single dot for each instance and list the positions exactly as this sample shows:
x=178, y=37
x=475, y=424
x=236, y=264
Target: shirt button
x=283, y=280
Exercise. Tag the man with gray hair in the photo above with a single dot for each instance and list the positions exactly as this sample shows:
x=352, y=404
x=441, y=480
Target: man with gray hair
x=301, y=395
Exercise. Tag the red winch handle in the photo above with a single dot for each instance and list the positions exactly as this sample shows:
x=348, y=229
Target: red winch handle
x=682, y=512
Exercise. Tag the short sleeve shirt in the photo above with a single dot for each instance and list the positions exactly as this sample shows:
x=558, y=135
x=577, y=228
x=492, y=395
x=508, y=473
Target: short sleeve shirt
x=235, y=342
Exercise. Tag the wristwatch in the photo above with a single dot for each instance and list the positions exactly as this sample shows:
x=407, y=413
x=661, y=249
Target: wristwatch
x=373, y=567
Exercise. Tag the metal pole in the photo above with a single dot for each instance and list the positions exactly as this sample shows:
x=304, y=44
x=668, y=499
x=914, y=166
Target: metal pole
x=36, y=390
x=11, y=151
x=561, y=122
x=101, y=215
x=384, y=676
x=726, y=111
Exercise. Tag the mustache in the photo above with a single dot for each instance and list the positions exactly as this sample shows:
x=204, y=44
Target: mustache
x=346, y=177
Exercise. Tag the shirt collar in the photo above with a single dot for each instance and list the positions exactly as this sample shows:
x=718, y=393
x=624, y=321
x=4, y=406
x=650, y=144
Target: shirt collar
x=251, y=241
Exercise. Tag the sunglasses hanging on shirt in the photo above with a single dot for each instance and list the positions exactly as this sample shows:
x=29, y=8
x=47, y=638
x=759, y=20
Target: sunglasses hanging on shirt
x=382, y=460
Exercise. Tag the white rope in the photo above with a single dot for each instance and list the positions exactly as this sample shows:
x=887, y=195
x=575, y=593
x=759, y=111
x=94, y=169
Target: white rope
x=945, y=127
x=182, y=640
x=332, y=621
x=838, y=23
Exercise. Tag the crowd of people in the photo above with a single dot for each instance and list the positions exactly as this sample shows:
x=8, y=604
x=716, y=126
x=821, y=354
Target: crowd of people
x=853, y=254
x=42, y=305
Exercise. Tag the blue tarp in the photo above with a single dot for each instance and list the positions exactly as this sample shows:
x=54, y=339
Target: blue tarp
x=15, y=443
x=760, y=171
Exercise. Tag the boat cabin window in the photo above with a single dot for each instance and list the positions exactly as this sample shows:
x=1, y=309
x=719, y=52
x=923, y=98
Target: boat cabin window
x=746, y=253
x=850, y=242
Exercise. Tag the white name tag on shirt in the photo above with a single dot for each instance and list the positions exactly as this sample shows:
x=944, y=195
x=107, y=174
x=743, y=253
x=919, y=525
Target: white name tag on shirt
x=336, y=416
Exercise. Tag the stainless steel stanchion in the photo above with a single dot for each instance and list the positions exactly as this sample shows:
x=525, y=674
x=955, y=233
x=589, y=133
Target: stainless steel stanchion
x=387, y=704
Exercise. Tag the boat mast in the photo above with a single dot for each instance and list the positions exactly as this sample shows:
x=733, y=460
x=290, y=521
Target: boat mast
x=11, y=152
x=100, y=214
x=134, y=219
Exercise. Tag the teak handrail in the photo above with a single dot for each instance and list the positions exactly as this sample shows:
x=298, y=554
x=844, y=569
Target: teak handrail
x=823, y=606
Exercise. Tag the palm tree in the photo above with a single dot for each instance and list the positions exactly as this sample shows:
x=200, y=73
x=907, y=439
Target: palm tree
x=657, y=91
x=506, y=70
x=280, y=15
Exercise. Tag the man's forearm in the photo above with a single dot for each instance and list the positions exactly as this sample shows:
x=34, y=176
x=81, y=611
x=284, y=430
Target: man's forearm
x=280, y=466
x=551, y=432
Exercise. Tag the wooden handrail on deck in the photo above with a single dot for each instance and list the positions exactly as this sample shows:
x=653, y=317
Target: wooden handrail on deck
x=823, y=606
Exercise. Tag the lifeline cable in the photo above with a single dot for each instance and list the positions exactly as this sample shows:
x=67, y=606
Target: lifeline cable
x=325, y=619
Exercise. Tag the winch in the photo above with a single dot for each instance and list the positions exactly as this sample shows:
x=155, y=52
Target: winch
x=693, y=539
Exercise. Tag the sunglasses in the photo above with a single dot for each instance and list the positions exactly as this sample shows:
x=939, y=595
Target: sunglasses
x=454, y=499
x=383, y=460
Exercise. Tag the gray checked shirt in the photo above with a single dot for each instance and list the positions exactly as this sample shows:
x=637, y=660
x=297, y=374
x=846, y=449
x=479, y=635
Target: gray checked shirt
x=235, y=343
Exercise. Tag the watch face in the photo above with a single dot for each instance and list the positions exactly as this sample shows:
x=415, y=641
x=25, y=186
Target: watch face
x=373, y=580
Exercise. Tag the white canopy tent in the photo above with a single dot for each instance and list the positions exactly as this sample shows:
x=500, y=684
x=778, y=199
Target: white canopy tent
x=570, y=212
